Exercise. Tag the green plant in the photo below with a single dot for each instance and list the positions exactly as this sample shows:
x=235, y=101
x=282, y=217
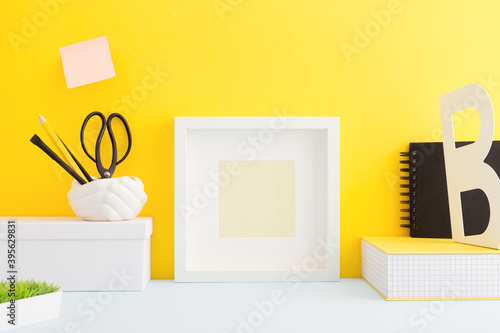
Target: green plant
x=25, y=289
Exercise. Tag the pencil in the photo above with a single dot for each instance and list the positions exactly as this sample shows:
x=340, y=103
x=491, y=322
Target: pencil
x=40, y=144
x=59, y=145
x=85, y=173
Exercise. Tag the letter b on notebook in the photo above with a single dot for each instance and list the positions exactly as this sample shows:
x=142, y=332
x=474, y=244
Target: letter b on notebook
x=466, y=170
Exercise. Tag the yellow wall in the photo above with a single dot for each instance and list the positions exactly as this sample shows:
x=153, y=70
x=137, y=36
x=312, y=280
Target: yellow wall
x=245, y=58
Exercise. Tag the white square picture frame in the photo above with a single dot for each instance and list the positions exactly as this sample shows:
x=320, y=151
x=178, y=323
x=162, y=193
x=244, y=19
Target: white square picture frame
x=312, y=254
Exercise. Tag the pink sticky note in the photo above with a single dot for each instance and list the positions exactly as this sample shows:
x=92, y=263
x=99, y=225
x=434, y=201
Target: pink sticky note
x=87, y=62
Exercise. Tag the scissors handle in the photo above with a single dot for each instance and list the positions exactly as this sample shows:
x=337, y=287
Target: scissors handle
x=106, y=173
x=99, y=137
x=112, y=136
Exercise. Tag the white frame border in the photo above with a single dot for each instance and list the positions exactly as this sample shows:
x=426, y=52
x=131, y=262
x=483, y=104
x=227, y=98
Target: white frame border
x=332, y=248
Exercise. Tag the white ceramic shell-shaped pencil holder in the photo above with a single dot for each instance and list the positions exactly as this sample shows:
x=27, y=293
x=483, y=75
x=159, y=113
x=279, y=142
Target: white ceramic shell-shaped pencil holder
x=108, y=199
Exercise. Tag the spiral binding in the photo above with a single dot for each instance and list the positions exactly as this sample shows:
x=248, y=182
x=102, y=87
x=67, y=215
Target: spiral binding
x=408, y=188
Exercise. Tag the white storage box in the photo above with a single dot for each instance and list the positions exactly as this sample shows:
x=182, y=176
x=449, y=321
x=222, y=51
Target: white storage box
x=80, y=255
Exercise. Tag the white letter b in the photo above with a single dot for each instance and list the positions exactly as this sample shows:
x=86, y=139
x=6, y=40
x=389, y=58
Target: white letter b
x=465, y=167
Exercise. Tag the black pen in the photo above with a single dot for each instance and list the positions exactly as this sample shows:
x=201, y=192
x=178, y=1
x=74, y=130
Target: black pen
x=40, y=144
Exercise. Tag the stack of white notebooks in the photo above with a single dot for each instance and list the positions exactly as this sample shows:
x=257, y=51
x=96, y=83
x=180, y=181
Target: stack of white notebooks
x=405, y=268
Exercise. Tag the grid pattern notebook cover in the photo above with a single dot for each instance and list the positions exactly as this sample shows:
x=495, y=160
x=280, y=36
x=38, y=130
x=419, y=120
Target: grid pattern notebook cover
x=425, y=195
x=405, y=268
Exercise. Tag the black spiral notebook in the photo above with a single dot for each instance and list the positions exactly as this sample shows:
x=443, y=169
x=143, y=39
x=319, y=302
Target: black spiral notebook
x=425, y=195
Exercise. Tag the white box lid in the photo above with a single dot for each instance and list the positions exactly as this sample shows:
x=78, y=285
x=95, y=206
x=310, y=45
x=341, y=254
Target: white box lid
x=59, y=228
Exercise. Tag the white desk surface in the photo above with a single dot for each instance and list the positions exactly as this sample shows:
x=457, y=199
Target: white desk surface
x=346, y=306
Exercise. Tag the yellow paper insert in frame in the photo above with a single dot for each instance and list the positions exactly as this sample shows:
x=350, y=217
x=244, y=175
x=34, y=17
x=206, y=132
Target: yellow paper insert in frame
x=259, y=201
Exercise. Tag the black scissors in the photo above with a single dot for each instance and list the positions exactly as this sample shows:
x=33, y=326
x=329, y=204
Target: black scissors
x=106, y=173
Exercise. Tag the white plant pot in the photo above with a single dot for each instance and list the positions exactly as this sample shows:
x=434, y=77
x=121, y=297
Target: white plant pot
x=108, y=199
x=31, y=310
